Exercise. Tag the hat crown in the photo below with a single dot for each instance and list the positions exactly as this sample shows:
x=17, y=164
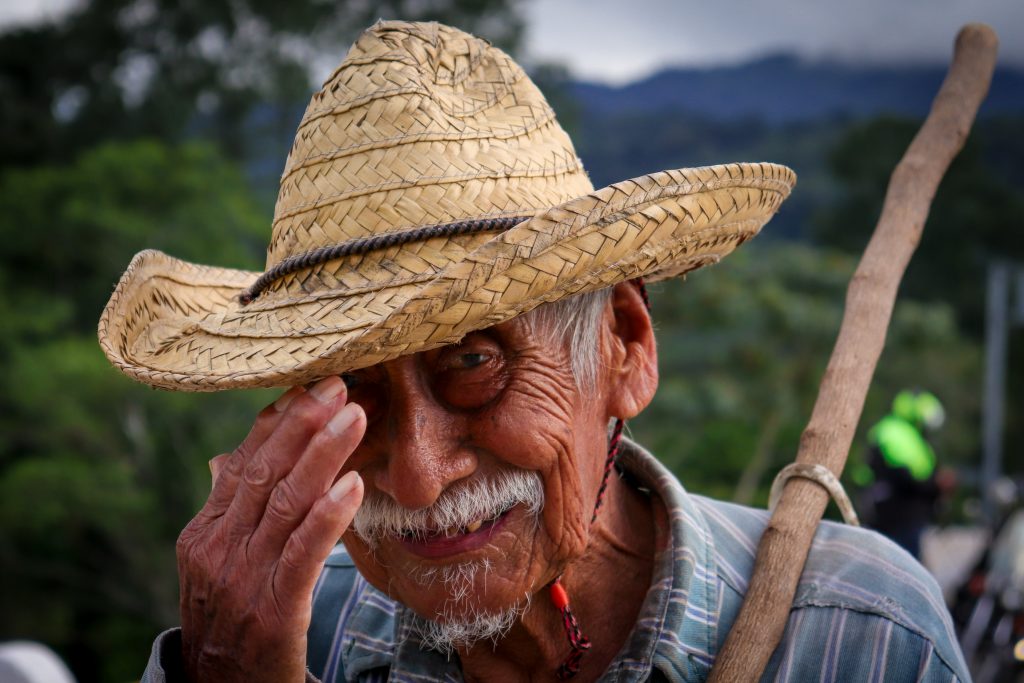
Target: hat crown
x=421, y=124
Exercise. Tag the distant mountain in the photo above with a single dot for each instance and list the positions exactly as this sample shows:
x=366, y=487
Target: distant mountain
x=785, y=88
x=781, y=109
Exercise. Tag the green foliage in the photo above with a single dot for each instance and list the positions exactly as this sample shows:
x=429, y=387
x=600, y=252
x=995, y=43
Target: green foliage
x=70, y=228
x=98, y=474
x=164, y=68
x=974, y=219
x=742, y=348
x=99, y=118
x=121, y=128
x=971, y=219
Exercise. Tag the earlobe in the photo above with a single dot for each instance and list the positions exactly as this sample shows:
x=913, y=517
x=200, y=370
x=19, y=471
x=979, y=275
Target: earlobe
x=631, y=354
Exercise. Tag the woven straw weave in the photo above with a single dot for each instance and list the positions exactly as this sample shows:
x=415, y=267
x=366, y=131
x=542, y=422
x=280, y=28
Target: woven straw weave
x=422, y=125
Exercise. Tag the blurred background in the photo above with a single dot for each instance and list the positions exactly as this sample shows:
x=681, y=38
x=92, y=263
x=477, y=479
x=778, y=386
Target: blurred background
x=127, y=124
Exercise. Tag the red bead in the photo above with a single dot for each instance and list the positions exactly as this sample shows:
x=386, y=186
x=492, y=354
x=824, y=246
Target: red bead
x=559, y=596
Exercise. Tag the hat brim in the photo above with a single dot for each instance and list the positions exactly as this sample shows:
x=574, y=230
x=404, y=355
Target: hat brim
x=179, y=326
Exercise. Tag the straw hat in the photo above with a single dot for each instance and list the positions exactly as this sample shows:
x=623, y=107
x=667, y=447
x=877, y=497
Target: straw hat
x=429, y=193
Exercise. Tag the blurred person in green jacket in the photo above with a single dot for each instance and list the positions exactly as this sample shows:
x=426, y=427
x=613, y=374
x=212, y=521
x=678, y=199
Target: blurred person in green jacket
x=902, y=480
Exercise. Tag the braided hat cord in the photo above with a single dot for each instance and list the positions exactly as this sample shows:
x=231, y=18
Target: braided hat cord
x=365, y=245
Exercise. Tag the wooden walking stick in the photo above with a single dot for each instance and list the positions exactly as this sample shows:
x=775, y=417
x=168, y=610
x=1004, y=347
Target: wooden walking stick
x=869, y=302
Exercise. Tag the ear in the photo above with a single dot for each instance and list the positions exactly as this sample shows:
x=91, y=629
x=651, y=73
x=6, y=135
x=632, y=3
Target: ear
x=630, y=354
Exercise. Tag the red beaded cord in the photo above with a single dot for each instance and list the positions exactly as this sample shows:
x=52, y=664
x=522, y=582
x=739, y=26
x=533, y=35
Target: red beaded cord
x=579, y=643
x=609, y=463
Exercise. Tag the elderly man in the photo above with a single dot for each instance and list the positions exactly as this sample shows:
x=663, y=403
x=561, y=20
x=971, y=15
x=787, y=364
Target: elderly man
x=463, y=322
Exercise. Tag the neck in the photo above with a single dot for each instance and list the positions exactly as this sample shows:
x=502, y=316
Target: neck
x=606, y=588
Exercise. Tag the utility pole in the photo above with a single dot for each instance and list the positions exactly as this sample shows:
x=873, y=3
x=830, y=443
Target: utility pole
x=1001, y=314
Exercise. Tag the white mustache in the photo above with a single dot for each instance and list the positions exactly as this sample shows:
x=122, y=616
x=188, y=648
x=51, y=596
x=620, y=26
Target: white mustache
x=479, y=499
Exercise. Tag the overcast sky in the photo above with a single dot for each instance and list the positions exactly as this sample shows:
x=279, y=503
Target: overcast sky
x=619, y=40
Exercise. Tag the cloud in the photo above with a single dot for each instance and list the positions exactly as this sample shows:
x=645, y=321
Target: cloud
x=613, y=40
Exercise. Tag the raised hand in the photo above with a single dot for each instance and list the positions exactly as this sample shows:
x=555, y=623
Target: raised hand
x=248, y=561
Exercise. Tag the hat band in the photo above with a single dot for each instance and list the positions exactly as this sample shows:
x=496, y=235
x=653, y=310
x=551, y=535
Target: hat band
x=364, y=245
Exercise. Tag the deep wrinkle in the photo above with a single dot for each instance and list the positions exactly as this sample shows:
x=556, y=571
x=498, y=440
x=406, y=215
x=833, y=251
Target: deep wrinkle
x=531, y=416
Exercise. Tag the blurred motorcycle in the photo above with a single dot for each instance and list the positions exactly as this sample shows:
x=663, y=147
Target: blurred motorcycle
x=988, y=610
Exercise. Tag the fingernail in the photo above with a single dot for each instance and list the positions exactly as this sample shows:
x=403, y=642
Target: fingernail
x=215, y=467
x=343, y=419
x=327, y=389
x=281, y=403
x=344, y=486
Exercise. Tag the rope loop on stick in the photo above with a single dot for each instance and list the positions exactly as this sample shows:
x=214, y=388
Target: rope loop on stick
x=820, y=475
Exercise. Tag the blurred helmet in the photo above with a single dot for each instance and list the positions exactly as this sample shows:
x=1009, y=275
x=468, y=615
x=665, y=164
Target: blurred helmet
x=920, y=408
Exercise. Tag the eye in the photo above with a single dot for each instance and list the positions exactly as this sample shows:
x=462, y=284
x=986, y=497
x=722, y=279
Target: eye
x=462, y=359
x=465, y=361
x=366, y=388
x=469, y=375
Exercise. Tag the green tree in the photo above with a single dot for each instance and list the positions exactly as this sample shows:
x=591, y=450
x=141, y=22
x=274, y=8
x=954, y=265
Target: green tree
x=742, y=348
x=231, y=70
x=70, y=229
x=100, y=114
x=98, y=474
x=975, y=217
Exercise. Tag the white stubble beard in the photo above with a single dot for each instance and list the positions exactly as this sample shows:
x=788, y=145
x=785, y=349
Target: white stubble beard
x=460, y=622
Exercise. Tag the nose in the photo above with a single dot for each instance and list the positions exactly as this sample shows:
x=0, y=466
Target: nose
x=424, y=443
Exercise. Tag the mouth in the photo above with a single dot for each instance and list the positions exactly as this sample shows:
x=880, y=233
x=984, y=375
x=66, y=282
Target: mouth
x=454, y=540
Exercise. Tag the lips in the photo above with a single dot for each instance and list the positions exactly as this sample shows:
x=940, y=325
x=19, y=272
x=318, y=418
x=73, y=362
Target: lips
x=455, y=540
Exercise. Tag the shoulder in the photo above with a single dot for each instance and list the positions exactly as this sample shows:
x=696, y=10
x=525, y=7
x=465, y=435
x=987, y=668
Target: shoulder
x=860, y=597
x=353, y=624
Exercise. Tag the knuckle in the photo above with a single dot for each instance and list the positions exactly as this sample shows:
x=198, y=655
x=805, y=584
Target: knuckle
x=268, y=412
x=258, y=474
x=241, y=454
x=295, y=552
x=186, y=539
x=190, y=550
x=182, y=551
x=310, y=417
x=233, y=465
x=284, y=501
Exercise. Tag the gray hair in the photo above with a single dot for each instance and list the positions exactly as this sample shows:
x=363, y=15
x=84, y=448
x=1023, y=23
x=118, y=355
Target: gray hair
x=575, y=321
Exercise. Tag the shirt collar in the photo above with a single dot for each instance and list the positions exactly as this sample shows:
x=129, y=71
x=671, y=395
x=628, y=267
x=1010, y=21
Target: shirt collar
x=676, y=631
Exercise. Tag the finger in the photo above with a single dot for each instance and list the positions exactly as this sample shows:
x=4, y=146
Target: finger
x=303, y=556
x=224, y=471
x=216, y=464
x=266, y=422
x=305, y=415
x=309, y=480
x=232, y=463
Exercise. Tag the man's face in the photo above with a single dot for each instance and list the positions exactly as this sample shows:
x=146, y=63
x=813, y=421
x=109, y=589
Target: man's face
x=494, y=418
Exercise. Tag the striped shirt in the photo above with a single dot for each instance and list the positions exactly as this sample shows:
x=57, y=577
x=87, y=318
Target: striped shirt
x=864, y=609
